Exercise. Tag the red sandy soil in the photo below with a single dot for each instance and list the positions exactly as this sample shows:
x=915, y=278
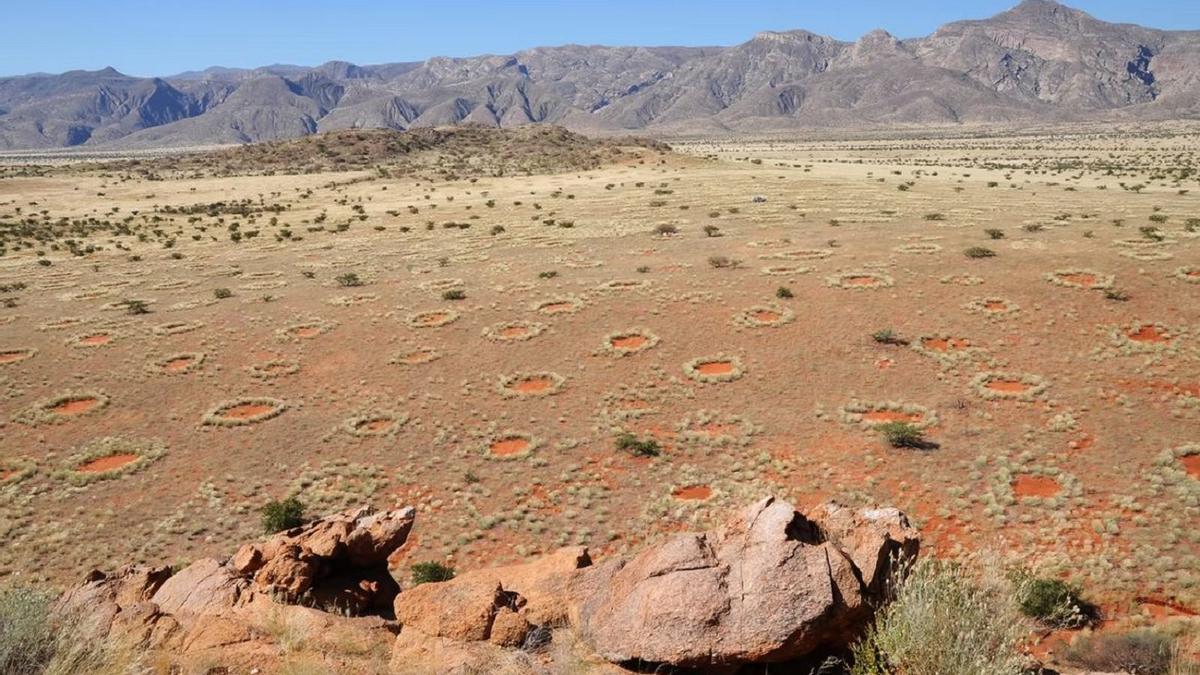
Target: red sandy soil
x=1148, y=333
x=513, y=332
x=176, y=365
x=1029, y=485
x=75, y=406
x=716, y=429
x=629, y=342
x=692, y=493
x=509, y=446
x=432, y=318
x=1008, y=386
x=376, y=425
x=306, y=331
x=715, y=368
x=995, y=306
x=96, y=340
x=5, y=475
x=13, y=356
x=107, y=463
x=766, y=316
x=423, y=356
x=885, y=416
x=945, y=344
x=1191, y=464
x=1081, y=278
x=244, y=411
x=275, y=368
x=556, y=308
x=533, y=385
x=863, y=280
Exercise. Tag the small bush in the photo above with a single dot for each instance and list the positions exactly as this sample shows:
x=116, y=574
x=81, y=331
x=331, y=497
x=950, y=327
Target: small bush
x=941, y=621
x=648, y=447
x=547, y=275
x=723, y=262
x=643, y=269
x=1055, y=603
x=902, y=435
x=979, y=252
x=222, y=293
x=887, y=336
x=712, y=231
x=431, y=572
x=27, y=640
x=1116, y=294
x=994, y=233
x=349, y=280
x=136, y=306
x=454, y=294
x=278, y=516
x=784, y=293
x=665, y=229
x=497, y=229
x=1141, y=652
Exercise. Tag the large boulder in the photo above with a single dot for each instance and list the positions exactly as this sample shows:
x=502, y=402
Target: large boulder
x=770, y=586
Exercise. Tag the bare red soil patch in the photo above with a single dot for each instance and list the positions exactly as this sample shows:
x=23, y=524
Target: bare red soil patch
x=766, y=316
x=995, y=306
x=95, y=340
x=306, y=331
x=179, y=364
x=75, y=406
x=533, y=385
x=244, y=411
x=556, y=308
x=376, y=426
x=1080, y=279
x=431, y=319
x=1029, y=485
x=418, y=357
x=885, y=416
x=629, y=342
x=507, y=447
x=110, y=463
x=715, y=368
x=14, y=355
x=1008, y=386
x=1191, y=465
x=945, y=344
x=514, y=332
x=1148, y=333
x=862, y=280
x=695, y=493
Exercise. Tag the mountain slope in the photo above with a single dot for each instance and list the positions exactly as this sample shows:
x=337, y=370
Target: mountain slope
x=1038, y=62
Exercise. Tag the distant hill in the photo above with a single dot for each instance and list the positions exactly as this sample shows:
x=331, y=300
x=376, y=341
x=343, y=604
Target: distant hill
x=1039, y=62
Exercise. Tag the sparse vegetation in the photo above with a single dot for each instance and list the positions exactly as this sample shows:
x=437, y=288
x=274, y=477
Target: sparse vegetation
x=280, y=515
x=903, y=435
x=979, y=252
x=431, y=572
x=640, y=447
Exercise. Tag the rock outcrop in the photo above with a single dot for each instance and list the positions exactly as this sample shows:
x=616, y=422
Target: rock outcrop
x=772, y=585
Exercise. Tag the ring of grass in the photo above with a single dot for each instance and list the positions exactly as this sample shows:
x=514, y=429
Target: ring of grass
x=43, y=412
x=1146, y=255
x=352, y=300
x=194, y=361
x=530, y=330
x=88, y=294
x=993, y=307
x=274, y=368
x=857, y=413
x=785, y=270
x=268, y=285
x=440, y=285
x=650, y=340
x=216, y=416
x=360, y=425
x=695, y=369
x=961, y=279
x=965, y=353
x=1035, y=385
x=918, y=248
x=173, y=284
x=177, y=327
x=712, y=429
x=62, y=323
x=564, y=305
x=799, y=254
x=434, y=318
x=507, y=384
x=305, y=330
x=416, y=357
x=1189, y=273
x=1120, y=337
x=9, y=357
x=1059, y=278
x=146, y=452
x=752, y=317
x=15, y=470
x=623, y=285
x=123, y=305
x=86, y=340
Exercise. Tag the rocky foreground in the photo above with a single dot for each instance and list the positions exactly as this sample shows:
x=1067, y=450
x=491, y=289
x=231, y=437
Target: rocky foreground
x=772, y=586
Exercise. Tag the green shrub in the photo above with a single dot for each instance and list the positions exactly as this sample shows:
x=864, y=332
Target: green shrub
x=222, y=293
x=979, y=252
x=136, y=306
x=712, y=231
x=994, y=233
x=648, y=447
x=454, y=294
x=1054, y=602
x=902, y=435
x=430, y=572
x=278, y=516
x=783, y=293
x=1141, y=652
x=348, y=280
x=547, y=275
x=941, y=621
x=27, y=636
x=666, y=228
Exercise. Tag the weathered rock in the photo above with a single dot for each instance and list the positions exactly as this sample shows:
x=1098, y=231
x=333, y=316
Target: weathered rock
x=206, y=587
x=120, y=602
x=873, y=538
x=768, y=587
x=462, y=609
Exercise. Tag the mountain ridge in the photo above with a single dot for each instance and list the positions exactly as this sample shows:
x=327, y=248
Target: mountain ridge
x=1038, y=62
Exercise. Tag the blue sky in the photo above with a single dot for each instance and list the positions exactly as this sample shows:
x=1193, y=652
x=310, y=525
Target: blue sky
x=143, y=37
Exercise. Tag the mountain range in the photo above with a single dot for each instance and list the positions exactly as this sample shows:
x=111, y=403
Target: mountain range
x=1040, y=62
